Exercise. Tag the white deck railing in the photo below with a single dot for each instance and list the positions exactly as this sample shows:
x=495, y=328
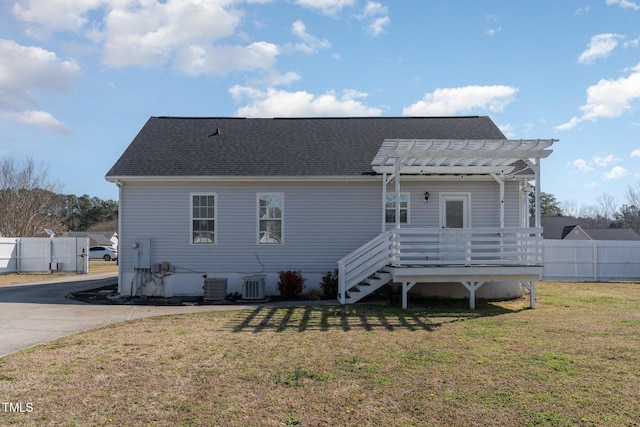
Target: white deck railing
x=466, y=246
x=424, y=247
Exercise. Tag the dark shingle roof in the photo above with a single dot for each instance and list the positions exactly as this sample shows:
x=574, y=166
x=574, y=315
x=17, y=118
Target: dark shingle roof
x=558, y=227
x=178, y=146
x=612, y=233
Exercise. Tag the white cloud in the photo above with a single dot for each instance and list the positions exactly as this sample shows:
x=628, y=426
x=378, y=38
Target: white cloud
x=507, y=129
x=40, y=119
x=24, y=69
x=452, y=101
x=601, y=46
x=195, y=60
x=494, y=28
x=44, y=16
x=605, y=161
x=635, y=153
x=625, y=4
x=310, y=44
x=378, y=26
x=189, y=34
x=581, y=165
x=608, y=99
x=147, y=33
x=632, y=43
x=373, y=9
x=280, y=103
x=377, y=14
x=152, y=34
x=27, y=72
x=327, y=7
x=616, y=172
x=590, y=184
x=277, y=79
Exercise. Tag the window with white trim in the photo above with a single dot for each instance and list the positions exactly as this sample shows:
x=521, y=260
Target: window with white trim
x=390, y=208
x=270, y=218
x=203, y=219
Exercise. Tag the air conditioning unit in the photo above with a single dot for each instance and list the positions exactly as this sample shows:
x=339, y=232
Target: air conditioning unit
x=215, y=289
x=253, y=287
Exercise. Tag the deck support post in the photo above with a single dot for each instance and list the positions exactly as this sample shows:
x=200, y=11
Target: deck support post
x=531, y=286
x=472, y=287
x=406, y=287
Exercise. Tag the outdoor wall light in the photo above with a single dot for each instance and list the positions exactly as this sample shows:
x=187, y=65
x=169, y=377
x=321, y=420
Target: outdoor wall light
x=426, y=196
x=134, y=245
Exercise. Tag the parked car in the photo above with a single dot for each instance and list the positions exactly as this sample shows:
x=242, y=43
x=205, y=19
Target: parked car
x=106, y=253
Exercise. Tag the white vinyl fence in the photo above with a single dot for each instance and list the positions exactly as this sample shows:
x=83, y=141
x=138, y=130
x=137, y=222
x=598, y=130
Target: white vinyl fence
x=44, y=254
x=591, y=260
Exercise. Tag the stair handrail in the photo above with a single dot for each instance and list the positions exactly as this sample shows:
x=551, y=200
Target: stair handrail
x=368, y=258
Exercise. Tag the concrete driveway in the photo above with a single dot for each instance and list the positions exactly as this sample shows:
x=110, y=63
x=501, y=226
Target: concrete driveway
x=36, y=313
x=39, y=312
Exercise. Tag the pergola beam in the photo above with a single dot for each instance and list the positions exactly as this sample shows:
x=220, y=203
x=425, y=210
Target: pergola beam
x=445, y=170
x=468, y=154
x=435, y=156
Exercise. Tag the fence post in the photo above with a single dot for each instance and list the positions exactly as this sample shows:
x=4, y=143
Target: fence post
x=18, y=255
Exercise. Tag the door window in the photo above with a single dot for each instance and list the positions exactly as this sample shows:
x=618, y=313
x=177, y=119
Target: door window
x=454, y=211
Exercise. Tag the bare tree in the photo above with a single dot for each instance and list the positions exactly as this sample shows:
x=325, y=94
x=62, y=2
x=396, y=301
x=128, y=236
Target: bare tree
x=589, y=216
x=569, y=208
x=28, y=200
x=633, y=195
x=607, y=207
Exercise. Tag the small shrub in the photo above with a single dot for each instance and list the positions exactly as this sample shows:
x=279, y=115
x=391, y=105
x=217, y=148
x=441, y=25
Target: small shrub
x=291, y=284
x=329, y=284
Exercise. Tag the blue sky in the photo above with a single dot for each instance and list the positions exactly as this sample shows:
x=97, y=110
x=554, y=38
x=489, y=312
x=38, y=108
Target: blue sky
x=79, y=78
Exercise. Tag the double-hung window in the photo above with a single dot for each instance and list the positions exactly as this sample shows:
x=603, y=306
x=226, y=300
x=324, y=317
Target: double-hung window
x=270, y=218
x=203, y=219
x=390, y=208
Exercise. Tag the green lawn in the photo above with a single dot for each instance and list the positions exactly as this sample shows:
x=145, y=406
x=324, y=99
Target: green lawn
x=574, y=360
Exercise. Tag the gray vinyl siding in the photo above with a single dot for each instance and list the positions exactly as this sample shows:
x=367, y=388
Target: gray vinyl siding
x=485, y=202
x=323, y=221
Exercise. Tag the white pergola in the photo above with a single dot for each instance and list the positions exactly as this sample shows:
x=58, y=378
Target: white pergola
x=498, y=158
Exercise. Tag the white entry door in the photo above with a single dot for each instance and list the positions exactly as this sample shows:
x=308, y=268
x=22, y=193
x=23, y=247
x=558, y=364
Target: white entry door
x=454, y=214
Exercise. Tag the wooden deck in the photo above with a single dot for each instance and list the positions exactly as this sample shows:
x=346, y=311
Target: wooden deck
x=471, y=257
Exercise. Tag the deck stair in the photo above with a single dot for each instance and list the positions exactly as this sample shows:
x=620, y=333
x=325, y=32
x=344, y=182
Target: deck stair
x=368, y=286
